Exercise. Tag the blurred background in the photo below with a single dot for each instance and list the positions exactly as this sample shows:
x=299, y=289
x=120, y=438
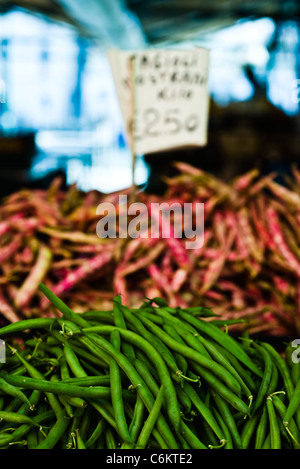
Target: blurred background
x=59, y=112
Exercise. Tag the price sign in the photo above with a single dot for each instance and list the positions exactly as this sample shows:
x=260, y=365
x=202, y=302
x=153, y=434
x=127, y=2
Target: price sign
x=163, y=97
x=170, y=99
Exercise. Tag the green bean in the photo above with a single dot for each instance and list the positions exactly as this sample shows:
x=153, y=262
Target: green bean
x=286, y=440
x=67, y=313
x=190, y=437
x=222, y=360
x=152, y=339
x=141, y=356
x=116, y=391
x=261, y=431
x=147, y=377
x=103, y=380
x=32, y=439
x=19, y=370
x=282, y=368
x=161, y=423
x=13, y=391
x=203, y=410
x=192, y=354
x=67, y=406
x=42, y=350
x=69, y=438
x=274, y=379
x=119, y=321
x=180, y=360
x=243, y=372
x=295, y=373
x=110, y=439
x=52, y=398
x=209, y=438
x=221, y=389
x=15, y=417
x=83, y=427
x=161, y=442
x=293, y=406
x=185, y=331
x=226, y=415
x=224, y=339
x=224, y=428
x=80, y=444
x=73, y=361
x=40, y=344
x=23, y=429
x=64, y=368
x=150, y=377
x=249, y=430
x=99, y=316
x=183, y=399
x=66, y=389
x=14, y=404
x=55, y=433
x=267, y=442
x=83, y=346
x=104, y=410
x=152, y=316
x=76, y=402
x=135, y=339
x=88, y=344
x=36, y=375
x=159, y=302
x=53, y=387
x=186, y=373
x=101, y=443
x=29, y=367
x=97, y=432
x=137, y=418
x=88, y=367
x=6, y=426
x=274, y=426
x=51, y=340
x=86, y=356
x=151, y=419
x=27, y=324
x=292, y=428
x=227, y=322
x=199, y=311
x=264, y=384
x=70, y=401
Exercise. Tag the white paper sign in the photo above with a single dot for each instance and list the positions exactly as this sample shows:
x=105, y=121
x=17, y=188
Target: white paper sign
x=163, y=97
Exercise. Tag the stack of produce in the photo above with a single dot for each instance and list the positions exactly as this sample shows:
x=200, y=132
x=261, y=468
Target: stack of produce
x=248, y=266
x=150, y=377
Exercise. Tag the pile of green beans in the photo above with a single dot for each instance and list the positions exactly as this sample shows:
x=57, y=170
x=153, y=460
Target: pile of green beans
x=149, y=378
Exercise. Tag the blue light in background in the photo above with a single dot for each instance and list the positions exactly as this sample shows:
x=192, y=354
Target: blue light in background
x=60, y=86
x=282, y=71
x=244, y=43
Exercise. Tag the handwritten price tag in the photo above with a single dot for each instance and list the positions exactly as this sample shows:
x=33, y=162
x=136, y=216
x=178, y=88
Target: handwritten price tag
x=163, y=97
x=170, y=99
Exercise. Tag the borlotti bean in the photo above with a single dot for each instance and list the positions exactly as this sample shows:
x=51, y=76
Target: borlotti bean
x=244, y=264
